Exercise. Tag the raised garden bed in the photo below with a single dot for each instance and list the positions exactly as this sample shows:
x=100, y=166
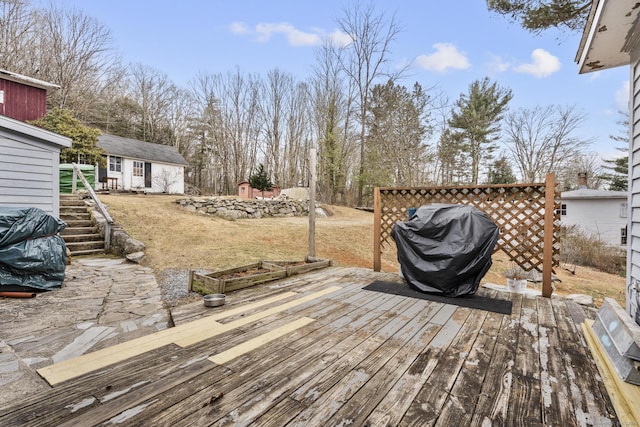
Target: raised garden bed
x=245, y=276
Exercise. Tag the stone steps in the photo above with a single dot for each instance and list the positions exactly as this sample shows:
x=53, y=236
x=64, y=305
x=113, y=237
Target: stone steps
x=81, y=235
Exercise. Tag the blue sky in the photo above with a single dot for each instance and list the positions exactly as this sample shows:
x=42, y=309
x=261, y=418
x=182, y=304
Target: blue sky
x=452, y=43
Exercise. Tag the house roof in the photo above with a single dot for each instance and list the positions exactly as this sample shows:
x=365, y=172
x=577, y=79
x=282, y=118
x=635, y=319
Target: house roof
x=29, y=81
x=608, y=36
x=34, y=132
x=587, y=193
x=141, y=150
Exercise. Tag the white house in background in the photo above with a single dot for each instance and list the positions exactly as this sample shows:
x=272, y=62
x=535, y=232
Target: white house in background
x=143, y=166
x=29, y=166
x=611, y=38
x=600, y=213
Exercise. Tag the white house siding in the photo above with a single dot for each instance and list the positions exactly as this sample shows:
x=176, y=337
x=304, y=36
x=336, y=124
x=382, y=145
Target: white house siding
x=165, y=178
x=633, y=242
x=600, y=217
x=29, y=173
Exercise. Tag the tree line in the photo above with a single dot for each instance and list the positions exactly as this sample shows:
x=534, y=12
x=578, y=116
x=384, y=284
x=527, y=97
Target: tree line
x=369, y=128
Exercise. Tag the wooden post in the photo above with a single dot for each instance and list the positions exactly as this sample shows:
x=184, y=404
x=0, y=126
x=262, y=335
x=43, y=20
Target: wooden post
x=312, y=203
x=549, y=216
x=377, y=217
x=74, y=178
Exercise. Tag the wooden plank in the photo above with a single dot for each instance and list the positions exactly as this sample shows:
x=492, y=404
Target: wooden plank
x=557, y=406
x=252, y=344
x=194, y=336
x=427, y=405
x=205, y=285
x=317, y=357
x=278, y=415
x=576, y=312
x=460, y=404
x=624, y=396
x=566, y=328
x=492, y=407
x=155, y=407
x=72, y=415
x=527, y=362
x=588, y=392
x=367, y=399
x=183, y=335
x=388, y=328
x=252, y=280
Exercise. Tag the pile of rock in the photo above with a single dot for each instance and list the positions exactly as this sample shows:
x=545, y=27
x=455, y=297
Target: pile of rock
x=237, y=208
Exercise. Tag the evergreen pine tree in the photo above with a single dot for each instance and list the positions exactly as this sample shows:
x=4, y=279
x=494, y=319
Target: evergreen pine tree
x=260, y=180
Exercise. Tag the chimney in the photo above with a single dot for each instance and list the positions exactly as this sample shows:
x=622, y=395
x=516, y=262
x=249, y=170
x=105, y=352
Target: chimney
x=582, y=180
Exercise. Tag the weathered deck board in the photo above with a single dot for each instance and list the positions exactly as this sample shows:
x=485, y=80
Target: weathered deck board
x=348, y=356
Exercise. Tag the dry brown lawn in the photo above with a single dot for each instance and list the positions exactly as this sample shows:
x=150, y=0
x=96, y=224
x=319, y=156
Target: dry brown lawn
x=176, y=238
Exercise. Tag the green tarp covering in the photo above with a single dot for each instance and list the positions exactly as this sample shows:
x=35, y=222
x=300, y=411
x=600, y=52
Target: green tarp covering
x=66, y=176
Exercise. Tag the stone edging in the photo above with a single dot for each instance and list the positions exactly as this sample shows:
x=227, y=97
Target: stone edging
x=121, y=243
x=237, y=208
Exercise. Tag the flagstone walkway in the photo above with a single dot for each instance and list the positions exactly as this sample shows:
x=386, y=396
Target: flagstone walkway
x=104, y=301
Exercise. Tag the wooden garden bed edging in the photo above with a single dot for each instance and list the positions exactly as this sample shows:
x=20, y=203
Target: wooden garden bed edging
x=300, y=267
x=223, y=281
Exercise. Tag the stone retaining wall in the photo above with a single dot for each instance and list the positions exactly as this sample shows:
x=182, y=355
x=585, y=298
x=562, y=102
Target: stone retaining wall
x=232, y=209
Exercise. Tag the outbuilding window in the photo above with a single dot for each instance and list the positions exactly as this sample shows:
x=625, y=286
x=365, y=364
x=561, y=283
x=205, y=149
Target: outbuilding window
x=115, y=164
x=623, y=210
x=138, y=168
x=623, y=236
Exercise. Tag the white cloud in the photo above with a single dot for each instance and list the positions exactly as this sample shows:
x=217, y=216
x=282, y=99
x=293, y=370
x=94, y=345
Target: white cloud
x=622, y=97
x=544, y=64
x=445, y=57
x=295, y=37
x=238, y=28
x=340, y=38
x=497, y=65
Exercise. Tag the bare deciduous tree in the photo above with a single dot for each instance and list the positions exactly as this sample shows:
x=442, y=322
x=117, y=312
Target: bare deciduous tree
x=74, y=51
x=17, y=36
x=154, y=94
x=542, y=140
x=365, y=61
x=332, y=109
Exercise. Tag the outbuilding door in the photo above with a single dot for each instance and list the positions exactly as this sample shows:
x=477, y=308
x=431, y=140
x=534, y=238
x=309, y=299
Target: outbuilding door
x=147, y=175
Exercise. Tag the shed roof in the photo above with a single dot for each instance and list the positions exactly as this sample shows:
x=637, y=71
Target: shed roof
x=43, y=135
x=608, y=36
x=29, y=81
x=587, y=193
x=135, y=149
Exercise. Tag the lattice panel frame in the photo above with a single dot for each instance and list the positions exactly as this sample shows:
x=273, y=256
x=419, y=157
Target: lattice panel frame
x=517, y=209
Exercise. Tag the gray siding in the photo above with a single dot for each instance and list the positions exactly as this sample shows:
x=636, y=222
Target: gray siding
x=28, y=171
x=633, y=240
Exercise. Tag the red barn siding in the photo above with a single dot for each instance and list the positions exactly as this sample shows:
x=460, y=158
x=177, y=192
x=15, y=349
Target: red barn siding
x=22, y=102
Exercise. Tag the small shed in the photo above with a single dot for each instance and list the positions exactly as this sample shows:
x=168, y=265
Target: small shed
x=29, y=166
x=141, y=166
x=23, y=98
x=246, y=191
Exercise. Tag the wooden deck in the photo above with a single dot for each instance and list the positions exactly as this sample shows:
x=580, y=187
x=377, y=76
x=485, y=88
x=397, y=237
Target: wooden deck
x=317, y=350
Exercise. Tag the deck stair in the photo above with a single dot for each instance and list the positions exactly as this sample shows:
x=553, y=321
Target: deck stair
x=81, y=235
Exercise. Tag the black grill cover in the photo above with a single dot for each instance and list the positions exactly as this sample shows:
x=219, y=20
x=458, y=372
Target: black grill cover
x=33, y=256
x=445, y=249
